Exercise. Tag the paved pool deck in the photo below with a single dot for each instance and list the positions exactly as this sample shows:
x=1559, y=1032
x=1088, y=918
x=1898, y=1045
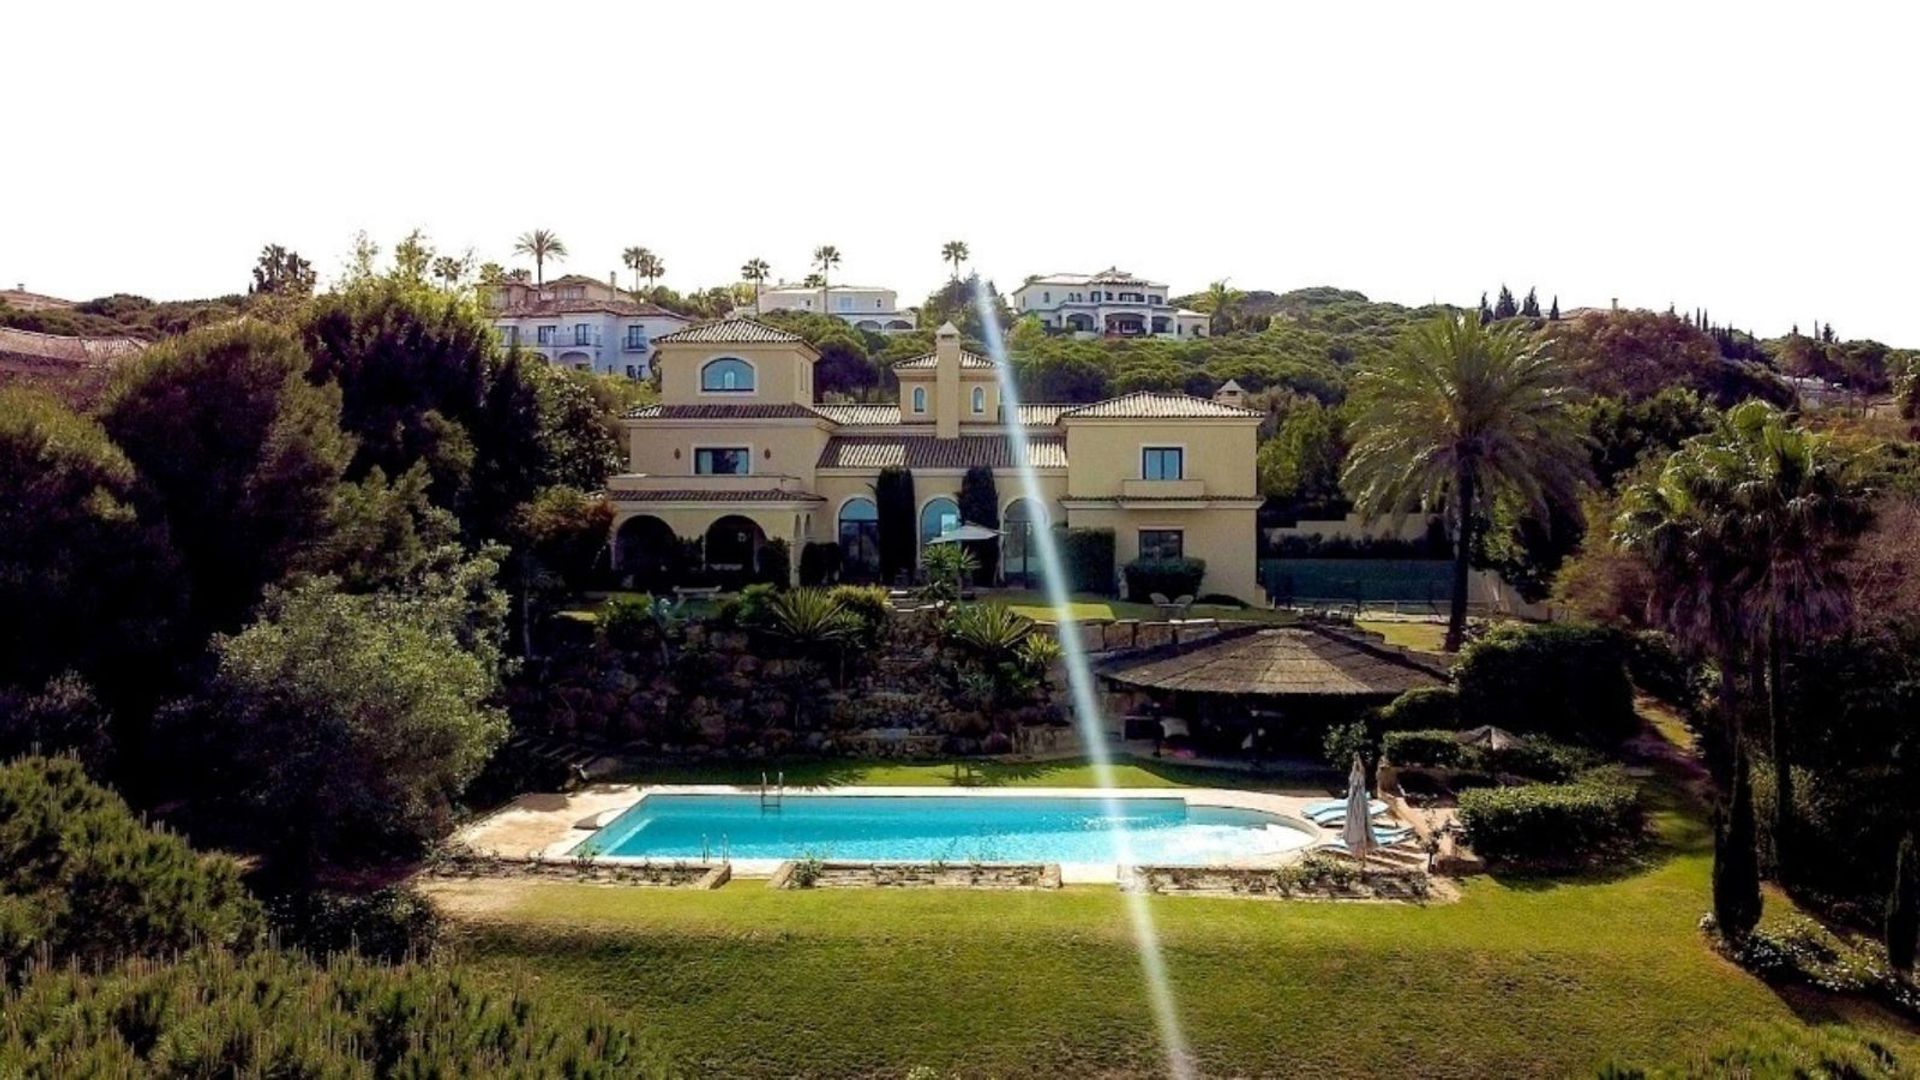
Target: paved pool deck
x=551, y=826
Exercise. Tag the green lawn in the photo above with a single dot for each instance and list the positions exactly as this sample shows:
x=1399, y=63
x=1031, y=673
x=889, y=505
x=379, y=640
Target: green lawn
x=1420, y=636
x=1089, y=607
x=1518, y=978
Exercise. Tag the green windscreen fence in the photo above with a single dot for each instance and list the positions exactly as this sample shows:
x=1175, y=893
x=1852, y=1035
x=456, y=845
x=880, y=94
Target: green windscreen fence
x=1358, y=581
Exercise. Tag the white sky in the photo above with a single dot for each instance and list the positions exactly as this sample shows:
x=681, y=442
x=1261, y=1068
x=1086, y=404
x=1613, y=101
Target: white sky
x=1759, y=162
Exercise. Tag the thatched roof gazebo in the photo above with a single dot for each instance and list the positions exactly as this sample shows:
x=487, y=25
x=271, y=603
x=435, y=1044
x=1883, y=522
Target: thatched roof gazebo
x=1307, y=676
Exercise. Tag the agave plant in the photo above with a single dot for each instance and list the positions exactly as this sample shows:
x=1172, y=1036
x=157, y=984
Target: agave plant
x=947, y=566
x=812, y=622
x=992, y=633
x=1040, y=652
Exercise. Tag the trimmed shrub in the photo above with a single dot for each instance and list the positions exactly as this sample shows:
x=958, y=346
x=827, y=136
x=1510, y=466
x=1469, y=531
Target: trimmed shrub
x=1536, y=759
x=1423, y=749
x=83, y=880
x=1088, y=555
x=775, y=565
x=1547, y=826
x=870, y=605
x=1566, y=682
x=819, y=563
x=1430, y=709
x=392, y=924
x=751, y=609
x=1658, y=668
x=899, y=529
x=1169, y=577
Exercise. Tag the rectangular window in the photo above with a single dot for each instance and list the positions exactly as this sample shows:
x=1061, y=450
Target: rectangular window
x=583, y=333
x=1046, y=298
x=721, y=460
x=846, y=303
x=1162, y=544
x=636, y=338
x=633, y=371
x=509, y=336
x=545, y=334
x=1162, y=463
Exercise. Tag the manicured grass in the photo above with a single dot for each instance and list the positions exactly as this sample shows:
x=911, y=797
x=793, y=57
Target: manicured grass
x=1067, y=772
x=1420, y=636
x=1518, y=978
x=1089, y=607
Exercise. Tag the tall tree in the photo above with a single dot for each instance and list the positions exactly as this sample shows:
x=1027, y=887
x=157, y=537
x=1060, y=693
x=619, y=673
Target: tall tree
x=1486, y=313
x=540, y=245
x=955, y=252
x=899, y=529
x=282, y=272
x=1530, y=307
x=1219, y=302
x=1461, y=414
x=237, y=453
x=1553, y=312
x=413, y=257
x=756, y=271
x=652, y=267
x=634, y=258
x=826, y=258
x=1736, y=870
x=979, y=501
x=1903, y=906
x=1505, y=308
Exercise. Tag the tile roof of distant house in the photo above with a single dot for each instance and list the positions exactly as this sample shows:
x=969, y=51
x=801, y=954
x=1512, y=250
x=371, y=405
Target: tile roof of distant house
x=32, y=301
x=931, y=360
x=1153, y=405
x=928, y=452
x=860, y=415
x=702, y=495
x=725, y=411
x=630, y=308
x=731, y=331
x=1042, y=414
x=32, y=347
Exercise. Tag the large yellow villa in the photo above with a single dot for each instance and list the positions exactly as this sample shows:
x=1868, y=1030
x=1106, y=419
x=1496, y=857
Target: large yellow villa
x=738, y=452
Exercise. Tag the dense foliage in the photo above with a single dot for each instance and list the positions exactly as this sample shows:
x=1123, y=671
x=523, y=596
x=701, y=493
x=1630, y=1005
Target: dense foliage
x=1543, y=826
x=1087, y=559
x=1171, y=578
x=1565, y=681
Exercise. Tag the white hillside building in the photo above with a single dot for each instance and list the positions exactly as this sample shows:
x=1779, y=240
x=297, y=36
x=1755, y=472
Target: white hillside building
x=864, y=307
x=1111, y=303
x=577, y=322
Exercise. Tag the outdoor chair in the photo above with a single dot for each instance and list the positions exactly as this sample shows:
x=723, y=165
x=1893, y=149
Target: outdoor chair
x=1183, y=606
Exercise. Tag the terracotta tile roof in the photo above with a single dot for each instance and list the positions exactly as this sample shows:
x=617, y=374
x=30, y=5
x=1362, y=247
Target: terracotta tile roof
x=967, y=360
x=1153, y=405
x=928, y=452
x=1281, y=661
x=1042, y=414
x=731, y=331
x=628, y=308
x=860, y=415
x=707, y=496
x=776, y=411
x=32, y=347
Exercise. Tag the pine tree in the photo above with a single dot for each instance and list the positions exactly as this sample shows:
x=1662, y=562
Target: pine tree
x=1505, y=308
x=1554, y=311
x=1531, y=306
x=1903, y=907
x=1486, y=313
x=1736, y=869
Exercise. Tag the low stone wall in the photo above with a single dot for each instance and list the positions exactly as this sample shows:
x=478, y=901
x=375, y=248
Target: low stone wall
x=657, y=875
x=1309, y=879
x=800, y=874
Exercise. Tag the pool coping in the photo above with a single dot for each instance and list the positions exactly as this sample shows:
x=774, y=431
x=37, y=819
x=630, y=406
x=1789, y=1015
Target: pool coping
x=550, y=827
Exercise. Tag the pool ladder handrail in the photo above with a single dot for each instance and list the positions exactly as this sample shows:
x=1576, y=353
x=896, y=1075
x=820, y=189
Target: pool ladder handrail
x=779, y=793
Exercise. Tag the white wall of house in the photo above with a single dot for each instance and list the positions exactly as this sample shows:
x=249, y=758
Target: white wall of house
x=591, y=340
x=866, y=307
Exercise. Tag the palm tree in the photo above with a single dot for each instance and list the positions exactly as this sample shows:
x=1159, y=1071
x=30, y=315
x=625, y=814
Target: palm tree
x=633, y=259
x=755, y=270
x=955, y=252
x=447, y=270
x=1219, y=301
x=1758, y=514
x=542, y=245
x=826, y=258
x=1463, y=414
x=652, y=267
x=810, y=622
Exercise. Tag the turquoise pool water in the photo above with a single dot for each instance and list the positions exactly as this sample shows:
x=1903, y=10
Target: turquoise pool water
x=929, y=827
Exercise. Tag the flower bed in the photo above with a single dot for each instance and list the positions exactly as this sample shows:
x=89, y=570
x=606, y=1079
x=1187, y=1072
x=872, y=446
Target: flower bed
x=677, y=874
x=812, y=873
x=1316, y=877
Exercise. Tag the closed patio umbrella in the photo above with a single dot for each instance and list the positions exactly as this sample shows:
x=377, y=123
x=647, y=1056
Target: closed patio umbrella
x=1489, y=736
x=1356, y=828
x=966, y=534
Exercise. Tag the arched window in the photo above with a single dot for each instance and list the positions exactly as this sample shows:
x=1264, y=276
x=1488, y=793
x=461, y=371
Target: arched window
x=937, y=518
x=979, y=400
x=919, y=399
x=1019, y=551
x=727, y=375
x=860, y=539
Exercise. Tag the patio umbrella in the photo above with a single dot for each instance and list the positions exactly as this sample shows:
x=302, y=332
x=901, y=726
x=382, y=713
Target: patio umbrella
x=966, y=534
x=1357, y=828
x=1489, y=736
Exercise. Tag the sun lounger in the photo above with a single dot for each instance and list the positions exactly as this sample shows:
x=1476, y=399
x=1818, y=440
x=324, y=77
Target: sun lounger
x=1375, y=806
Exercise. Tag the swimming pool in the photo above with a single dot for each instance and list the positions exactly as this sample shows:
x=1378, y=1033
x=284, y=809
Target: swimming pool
x=882, y=828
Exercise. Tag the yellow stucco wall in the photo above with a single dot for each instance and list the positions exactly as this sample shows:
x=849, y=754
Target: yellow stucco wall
x=783, y=373
x=1223, y=536
x=1102, y=454
x=780, y=447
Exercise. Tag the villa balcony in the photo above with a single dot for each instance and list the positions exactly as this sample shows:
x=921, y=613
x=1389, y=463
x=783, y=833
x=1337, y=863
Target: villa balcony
x=1163, y=489
x=635, y=483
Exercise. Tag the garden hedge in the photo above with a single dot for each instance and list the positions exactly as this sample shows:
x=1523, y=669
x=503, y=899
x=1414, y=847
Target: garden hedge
x=1567, y=682
x=1549, y=826
x=1428, y=709
x=1088, y=555
x=1169, y=577
x=819, y=563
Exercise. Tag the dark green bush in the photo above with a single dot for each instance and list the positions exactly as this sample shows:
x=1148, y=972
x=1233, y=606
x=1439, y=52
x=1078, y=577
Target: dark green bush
x=751, y=609
x=1088, y=555
x=1564, y=681
x=1553, y=826
x=819, y=563
x=1431, y=709
x=1423, y=749
x=870, y=605
x=1658, y=668
x=276, y=1014
x=1536, y=759
x=1169, y=577
x=83, y=880
x=392, y=924
x=775, y=564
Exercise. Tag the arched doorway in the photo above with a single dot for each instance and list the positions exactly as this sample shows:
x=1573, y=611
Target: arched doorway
x=860, y=540
x=733, y=546
x=1079, y=321
x=1020, y=548
x=646, y=552
x=938, y=517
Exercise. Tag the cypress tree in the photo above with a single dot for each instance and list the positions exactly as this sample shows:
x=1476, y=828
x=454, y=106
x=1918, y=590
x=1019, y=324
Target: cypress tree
x=1486, y=313
x=894, y=502
x=1554, y=311
x=1903, y=907
x=1736, y=869
x=1505, y=308
x=980, y=505
x=1530, y=307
